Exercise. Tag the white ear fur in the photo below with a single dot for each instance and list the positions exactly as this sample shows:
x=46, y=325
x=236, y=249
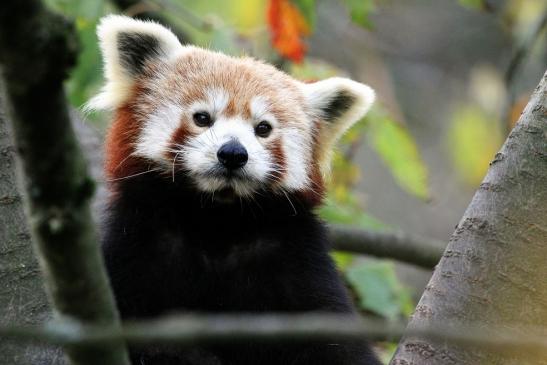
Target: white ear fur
x=152, y=40
x=337, y=103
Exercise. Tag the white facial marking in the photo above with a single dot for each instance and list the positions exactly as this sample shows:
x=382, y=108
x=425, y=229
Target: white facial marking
x=200, y=157
x=297, y=145
x=157, y=132
x=260, y=110
x=218, y=100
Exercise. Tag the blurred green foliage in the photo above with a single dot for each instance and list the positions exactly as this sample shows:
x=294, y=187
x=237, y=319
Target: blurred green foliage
x=393, y=142
x=474, y=138
x=473, y=4
x=86, y=77
x=360, y=11
x=379, y=289
x=307, y=8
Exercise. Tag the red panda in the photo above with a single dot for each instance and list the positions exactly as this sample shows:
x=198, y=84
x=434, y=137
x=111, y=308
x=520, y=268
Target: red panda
x=215, y=165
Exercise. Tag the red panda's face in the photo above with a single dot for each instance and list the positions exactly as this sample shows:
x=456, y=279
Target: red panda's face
x=233, y=126
x=227, y=123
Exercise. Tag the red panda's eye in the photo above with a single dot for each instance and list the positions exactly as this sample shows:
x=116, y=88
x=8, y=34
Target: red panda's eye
x=202, y=119
x=263, y=129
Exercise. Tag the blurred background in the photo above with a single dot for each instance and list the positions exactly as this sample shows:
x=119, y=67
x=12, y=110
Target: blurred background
x=452, y=78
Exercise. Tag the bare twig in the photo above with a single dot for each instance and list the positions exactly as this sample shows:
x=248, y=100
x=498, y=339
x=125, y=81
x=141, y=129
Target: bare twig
x=193, y=330
x=395, y=245
x=37, y=48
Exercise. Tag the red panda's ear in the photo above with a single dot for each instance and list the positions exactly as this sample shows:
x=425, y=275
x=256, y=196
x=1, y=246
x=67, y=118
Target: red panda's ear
x=127, y=45
x=336, y=104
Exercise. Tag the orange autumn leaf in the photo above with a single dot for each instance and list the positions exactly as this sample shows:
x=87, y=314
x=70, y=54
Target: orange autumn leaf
x=288, y=28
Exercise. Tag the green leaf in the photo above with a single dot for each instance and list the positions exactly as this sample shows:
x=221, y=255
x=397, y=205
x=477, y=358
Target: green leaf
x=224, y=39
x=86, y=77
x=473, y=4
x=313, y=69
x=379, y=290
x=76, y=8
x=397, y=148
x=307, y=9
x=342, y=259
x=473, y=139
x=335, y=212
x=360, y=11
x=386, y=351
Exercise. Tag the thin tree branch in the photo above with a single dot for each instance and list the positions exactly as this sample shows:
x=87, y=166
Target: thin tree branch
x=37, y=47
x=414, y=250
x=192, y=330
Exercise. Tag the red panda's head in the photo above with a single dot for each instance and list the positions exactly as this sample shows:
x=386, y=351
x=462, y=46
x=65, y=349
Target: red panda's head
x=233, y=126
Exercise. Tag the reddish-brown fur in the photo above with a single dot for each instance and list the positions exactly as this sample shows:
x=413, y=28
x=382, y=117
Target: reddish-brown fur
x=242, y=79
x=278, y=156
x=119, y=145
x=315, y=193
x=178, y=139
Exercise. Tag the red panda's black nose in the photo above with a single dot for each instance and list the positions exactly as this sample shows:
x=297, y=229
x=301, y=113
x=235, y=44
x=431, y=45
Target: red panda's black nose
x=232, y=155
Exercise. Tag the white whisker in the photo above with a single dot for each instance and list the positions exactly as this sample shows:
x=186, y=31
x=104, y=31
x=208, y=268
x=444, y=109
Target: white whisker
x=173, y=169
x=290, y=202
x=130, y=176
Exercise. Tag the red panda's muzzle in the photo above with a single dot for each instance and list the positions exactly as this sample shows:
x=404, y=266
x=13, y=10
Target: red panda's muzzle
x=232, y=155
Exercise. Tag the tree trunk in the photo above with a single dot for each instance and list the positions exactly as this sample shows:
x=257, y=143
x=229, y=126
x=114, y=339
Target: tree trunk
x=494, y=270
x=22, y=296
x=37, y=48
